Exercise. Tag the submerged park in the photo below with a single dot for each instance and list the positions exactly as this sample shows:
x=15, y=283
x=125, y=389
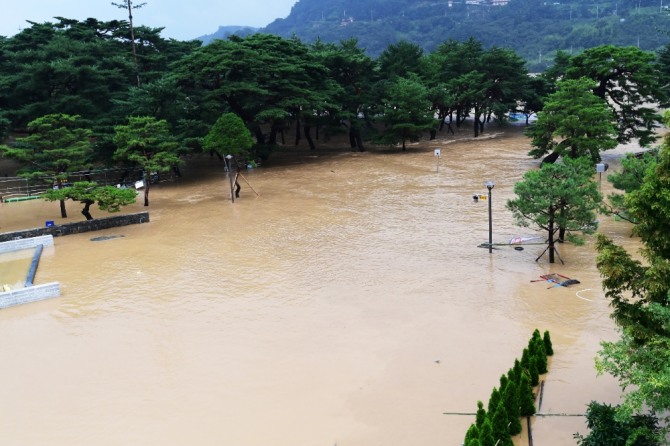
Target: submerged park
x=344, y=297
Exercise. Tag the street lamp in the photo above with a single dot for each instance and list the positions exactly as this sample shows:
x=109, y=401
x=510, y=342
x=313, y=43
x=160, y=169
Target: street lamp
x=489, y=185
x=230, y=176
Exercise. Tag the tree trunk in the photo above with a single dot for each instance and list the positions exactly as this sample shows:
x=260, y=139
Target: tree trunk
x=476, y=122
x=272, y=139
x=85, y=212
x=359, y=141
x=551, y=238
x=63, y=212
x=297, y=132
x=352, y=137
x=260, y=137
x=147, y=184
x=308, y=136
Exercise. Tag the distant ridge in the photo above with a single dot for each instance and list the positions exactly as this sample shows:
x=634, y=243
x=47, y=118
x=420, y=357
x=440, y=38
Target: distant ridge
x=224, y=31
x=534, y=29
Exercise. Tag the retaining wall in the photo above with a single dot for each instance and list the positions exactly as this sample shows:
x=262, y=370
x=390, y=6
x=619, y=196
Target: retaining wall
x=26, y=243
x=29, y=294
x=78, y=227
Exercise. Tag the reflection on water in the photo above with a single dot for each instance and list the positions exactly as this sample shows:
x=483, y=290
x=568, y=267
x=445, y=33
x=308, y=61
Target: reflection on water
x=348, y=304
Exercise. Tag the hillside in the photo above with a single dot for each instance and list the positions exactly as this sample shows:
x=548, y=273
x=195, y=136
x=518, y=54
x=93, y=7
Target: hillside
x=534, y=29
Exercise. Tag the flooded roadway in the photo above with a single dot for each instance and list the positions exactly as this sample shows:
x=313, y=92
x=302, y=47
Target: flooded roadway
x=346, y=305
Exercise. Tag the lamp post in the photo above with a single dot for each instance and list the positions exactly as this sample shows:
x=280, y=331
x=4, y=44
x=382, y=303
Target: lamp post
x=230, y=176
x=489, y=185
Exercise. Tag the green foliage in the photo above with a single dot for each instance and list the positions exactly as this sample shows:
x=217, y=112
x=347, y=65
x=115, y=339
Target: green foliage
x=55, y=146
x=471, y=435
x=499, y=423
x=627, y=80
x=147, y=142
x=511, y=400
x=608, y=426
x=539, y=353
x=526, y=397
x=517, y=371
x=407, y=111
x=533, y=371
x=229, y=135
x=481, y=414
x=557, y=196
x=486, y=434
x=525, y=359
x=503, y=383
x=108, y=198
x=574, y=122
x=639, y=295
x=548, y=346
x=547, y=27
x=494, y=399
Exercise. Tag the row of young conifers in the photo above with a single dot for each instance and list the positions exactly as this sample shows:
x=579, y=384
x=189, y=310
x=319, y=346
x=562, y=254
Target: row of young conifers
x=513, y=399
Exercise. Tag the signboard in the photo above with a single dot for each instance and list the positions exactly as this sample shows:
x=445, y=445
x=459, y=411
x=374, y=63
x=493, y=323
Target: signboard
x=438, y=152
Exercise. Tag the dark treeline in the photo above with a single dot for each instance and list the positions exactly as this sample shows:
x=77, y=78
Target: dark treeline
x=272, y=84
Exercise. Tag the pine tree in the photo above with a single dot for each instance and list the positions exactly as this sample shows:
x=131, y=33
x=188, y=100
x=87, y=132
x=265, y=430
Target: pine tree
x=540, y=356
x=481, y=414
x=526, y=397
x=548, y=347
x=503, y=384
x=511, y=399
x=499, y=423
x=532, y=371
x=518, y=370
x=493, y=401
x=525, y=359
x=486, y=434
x=470, y=435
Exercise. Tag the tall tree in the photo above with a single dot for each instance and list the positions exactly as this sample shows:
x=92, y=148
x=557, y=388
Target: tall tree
x=574, y=122
x=639, y=295
x=148, y=143
x=128, y=4
x=407, y=111
x=628, y=80
x=355, y=73
x=228, y=136
x=561, y=195
x=266, y=80
x=56, y=145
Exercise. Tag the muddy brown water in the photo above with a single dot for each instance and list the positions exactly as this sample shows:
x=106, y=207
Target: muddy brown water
x=346, y=305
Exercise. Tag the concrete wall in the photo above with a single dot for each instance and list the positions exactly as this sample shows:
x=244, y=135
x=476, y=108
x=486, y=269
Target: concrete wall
x=29, y=294
x=26, y=243
x=78, y=227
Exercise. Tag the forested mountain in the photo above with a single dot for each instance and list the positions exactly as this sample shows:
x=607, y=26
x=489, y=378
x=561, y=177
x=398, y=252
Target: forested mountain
x=535, y=29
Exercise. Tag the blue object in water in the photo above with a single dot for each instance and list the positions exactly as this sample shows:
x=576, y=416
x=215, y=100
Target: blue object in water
x=33, y=265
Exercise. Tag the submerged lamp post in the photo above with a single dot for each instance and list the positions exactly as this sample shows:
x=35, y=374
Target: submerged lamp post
x=489, y=185
x=230, y=176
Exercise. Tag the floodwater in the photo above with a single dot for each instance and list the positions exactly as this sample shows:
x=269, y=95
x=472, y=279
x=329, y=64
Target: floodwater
x=346, y=305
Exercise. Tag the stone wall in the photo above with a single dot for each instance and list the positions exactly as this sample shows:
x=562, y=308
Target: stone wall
x=78, y=227
x=29, y=294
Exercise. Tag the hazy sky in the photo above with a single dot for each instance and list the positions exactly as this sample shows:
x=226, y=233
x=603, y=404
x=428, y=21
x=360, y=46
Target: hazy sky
x=182, y=19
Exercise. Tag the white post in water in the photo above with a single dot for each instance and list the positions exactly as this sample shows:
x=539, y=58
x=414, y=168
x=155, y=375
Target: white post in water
x=489, y=185
x=438, y=153
x=230, y=175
